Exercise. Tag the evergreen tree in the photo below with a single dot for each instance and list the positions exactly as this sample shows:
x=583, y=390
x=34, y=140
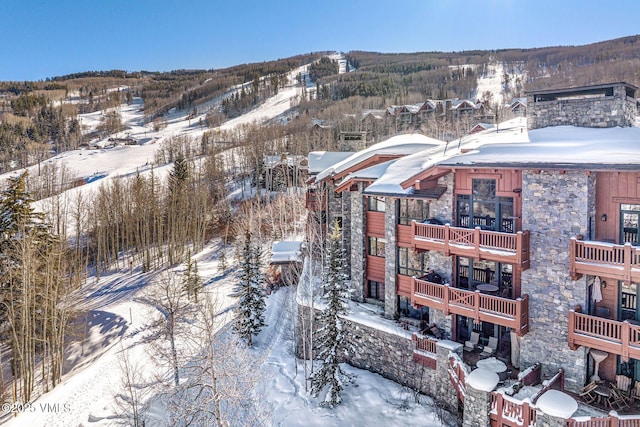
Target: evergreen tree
x=331, y=342
x=191, y=280
x=249, y=318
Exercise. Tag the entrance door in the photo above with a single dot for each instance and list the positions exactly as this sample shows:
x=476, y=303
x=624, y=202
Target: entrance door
x=630, y=224
x=629, y=310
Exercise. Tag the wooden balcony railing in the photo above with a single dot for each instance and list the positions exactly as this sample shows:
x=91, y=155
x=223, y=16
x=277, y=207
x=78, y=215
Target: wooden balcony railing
x=512, y=248
x=612, y=336
x=509, y=412
x=621, y=262
x=424, y=343
x=478, y=306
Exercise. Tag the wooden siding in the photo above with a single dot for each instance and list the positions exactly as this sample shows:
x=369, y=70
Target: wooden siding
x=506, y=180
x=613, y=189
x=509, y=248
x=621, y=338
x=375, y=268
x=375, y=224
x=404, y=284
x=404, y=236
x=474, y=304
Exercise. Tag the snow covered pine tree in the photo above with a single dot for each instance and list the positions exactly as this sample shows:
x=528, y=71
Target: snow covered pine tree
x=251, y=305
x=331, y=341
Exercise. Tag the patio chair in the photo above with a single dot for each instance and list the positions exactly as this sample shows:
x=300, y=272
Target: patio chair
x=623, y=383
x=588, y=392
x=472, y=343
x=635, y=391
x=491, y=347
x=617, y=399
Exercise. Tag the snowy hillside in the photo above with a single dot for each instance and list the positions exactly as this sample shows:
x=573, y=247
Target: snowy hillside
x=119, y=315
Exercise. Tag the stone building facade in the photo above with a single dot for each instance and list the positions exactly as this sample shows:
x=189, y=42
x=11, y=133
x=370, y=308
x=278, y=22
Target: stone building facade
x=547, y=281
x=600, y=106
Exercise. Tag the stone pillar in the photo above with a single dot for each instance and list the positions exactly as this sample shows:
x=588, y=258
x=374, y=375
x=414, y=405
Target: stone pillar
x=444, y=391
x=476, y=408
x=358, y=247
x=390, y=254
x=546, y=420
x=477, y=401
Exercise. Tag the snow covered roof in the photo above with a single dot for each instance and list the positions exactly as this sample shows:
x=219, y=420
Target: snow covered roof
x=566, y=147
x=320, y=160
x=399, y=145
x=284, y=252
x=367, y=174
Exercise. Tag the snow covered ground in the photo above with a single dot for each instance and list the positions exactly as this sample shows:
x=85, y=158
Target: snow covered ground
x=116, y=324
x=117, y=317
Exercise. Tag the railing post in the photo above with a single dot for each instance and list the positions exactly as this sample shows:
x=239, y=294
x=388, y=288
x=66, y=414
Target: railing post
x=447, y=250
x=519, y=248
x=476, y=306
x=476, y=242
x=526, y=414
x=572, y=328
x=518, y=325
x=626, y=334
x=499, y=407
x=413, y=291
x=446, y=296
x=628, y=251
x=572, y=258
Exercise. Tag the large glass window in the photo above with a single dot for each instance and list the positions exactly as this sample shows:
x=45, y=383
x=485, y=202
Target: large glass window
x=472, y=273
x=412, y=263
x=484, y=209
x=375, y=290
x=376, y=246
x=412, y=209
x=375, y=204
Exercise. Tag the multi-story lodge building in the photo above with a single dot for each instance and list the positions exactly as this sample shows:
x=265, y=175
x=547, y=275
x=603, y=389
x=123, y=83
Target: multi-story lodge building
x=532, y=230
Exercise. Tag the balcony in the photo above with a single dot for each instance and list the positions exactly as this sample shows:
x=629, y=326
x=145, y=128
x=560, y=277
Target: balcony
x=620, y=262
x=511, y=248
x=478, y=306
x=612, y=336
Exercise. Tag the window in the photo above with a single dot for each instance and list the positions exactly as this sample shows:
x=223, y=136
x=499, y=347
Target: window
x=412, y=263
x=484, y=209
x=412, y=209
x=483, y=271
x=629, y=223
x=375, y=204
x=375, y=290
x=337, y=195
x=376, y=246
x=407, y=310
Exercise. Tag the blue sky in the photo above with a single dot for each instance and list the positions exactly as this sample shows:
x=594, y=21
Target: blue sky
x=46, y=38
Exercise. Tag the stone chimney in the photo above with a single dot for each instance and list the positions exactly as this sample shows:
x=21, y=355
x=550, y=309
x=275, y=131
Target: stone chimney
x=598, y=106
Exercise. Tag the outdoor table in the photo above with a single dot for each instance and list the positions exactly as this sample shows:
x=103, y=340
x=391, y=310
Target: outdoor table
x=494, y=365
x=603, y=393
x=487, y=287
